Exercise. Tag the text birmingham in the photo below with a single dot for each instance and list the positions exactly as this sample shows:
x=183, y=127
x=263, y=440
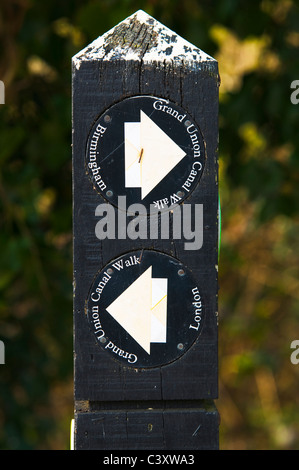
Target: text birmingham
x=183, y=221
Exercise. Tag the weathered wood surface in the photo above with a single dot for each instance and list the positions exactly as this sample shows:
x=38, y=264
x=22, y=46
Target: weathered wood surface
x=142, y=57
x=180, y=426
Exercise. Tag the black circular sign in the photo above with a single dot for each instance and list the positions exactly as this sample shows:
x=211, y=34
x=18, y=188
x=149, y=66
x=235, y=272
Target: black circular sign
x=147, y=149
x=145, y=309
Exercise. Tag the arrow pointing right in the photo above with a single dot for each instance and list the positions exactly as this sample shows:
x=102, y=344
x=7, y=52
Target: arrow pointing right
x=150, y=154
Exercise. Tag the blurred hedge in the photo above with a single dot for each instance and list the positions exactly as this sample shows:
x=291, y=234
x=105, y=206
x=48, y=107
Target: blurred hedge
x=256, y=44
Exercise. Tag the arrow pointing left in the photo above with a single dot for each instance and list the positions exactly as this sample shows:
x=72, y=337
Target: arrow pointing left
x=142, y=310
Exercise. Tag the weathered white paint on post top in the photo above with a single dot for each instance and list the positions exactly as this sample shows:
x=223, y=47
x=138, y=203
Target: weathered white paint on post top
x=141, y=37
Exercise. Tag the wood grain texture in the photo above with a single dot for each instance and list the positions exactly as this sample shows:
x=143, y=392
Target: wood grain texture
x=174, y=428
x=142, y=57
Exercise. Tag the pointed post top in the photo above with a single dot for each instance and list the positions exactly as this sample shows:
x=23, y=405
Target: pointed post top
x=142, y=38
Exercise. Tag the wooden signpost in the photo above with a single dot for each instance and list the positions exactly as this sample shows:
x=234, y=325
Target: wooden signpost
x=145, y=212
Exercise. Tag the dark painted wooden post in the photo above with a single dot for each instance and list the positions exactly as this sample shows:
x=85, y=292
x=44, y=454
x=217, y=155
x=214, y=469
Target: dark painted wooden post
x=145, y=138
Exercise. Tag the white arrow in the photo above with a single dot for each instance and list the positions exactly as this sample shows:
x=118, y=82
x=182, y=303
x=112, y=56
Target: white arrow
x=142, y=310
x=150, y=154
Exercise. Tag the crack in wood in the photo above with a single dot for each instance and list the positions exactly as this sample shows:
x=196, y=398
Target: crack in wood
x=132, y=36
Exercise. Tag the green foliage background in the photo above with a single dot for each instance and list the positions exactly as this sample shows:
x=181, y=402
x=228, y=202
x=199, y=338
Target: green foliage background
x=257, y=45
